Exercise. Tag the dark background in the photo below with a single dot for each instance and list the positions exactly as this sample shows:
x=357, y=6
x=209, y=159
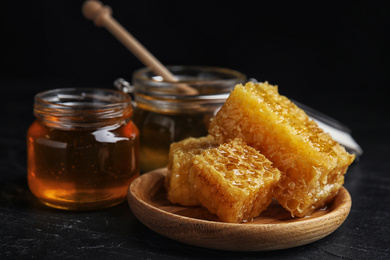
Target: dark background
x=333, y=56
x=323, y=52
x=330, y=55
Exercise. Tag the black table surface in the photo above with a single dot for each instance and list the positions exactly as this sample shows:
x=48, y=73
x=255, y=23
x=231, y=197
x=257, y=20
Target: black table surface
x=32, y=230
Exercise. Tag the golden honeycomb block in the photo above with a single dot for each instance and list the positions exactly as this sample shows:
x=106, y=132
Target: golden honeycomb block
x=312, y=163
x=180, y=160
x=233, y=181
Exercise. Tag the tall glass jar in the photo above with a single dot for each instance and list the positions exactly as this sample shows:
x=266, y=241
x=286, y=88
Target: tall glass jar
x=82, y=148
x=165, y=114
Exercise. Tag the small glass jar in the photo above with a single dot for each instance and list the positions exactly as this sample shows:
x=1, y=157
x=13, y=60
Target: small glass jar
x=82, y=148
x=165, y=114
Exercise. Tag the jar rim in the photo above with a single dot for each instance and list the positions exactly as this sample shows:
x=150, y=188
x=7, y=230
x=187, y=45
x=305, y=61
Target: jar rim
x=230, y=73
x=82, y=107
x=203, y=76
x=106, y=97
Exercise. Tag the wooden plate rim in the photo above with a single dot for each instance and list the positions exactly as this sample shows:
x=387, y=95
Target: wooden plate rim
x=337, y=215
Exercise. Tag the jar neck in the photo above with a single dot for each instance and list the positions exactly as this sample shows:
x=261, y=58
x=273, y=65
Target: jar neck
x=205, y=80
x=179, y=104
x=69, y=109
x=213, y=86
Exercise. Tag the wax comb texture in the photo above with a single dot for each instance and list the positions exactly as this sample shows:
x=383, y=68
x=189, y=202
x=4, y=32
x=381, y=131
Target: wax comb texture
x=179, y=162
x=233, y=181
x=312, y=163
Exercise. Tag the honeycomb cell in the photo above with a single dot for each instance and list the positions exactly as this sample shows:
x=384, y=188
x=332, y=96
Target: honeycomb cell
x=179, y=162
x=233, y=181
x=312, y=163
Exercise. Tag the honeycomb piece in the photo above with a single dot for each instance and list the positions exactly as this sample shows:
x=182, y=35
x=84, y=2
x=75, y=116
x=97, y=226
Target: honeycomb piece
x=312, y=163
x=180, y=160
x=233, y=181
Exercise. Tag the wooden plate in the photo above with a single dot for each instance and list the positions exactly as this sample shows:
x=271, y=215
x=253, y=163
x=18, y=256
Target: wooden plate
x=273, y=229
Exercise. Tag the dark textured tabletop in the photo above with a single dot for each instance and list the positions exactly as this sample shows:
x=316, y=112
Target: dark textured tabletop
x=337, y=66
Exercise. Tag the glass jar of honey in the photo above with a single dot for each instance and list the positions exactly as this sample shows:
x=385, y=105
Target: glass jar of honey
x=165, y=114
x=82, y=148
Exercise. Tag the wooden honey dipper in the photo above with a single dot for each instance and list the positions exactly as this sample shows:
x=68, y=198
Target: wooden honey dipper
x=102, y=17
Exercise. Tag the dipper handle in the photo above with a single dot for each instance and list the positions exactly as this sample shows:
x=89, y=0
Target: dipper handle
x=102, y=17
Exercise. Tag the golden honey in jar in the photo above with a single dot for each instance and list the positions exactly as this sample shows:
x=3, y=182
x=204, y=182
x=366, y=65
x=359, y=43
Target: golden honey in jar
x=83, y=148
x=164, y=113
